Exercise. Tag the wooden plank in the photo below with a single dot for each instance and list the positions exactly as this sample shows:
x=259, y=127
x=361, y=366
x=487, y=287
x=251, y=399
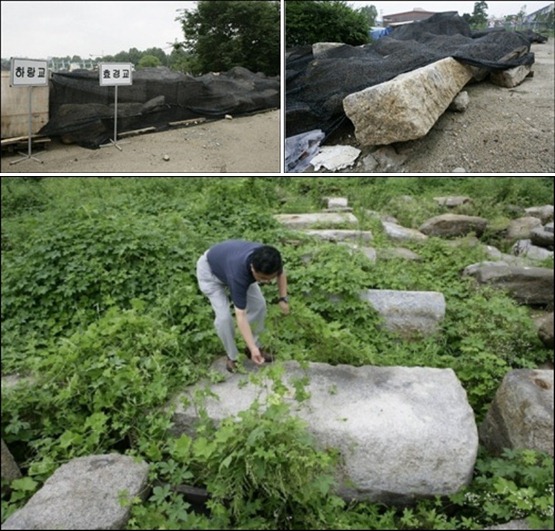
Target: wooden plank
x=21, y=139
x=137, y=131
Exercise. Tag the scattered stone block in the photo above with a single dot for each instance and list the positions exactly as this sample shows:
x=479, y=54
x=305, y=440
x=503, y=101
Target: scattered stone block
x=341, y=235
x=10, y=469
x=453, y=201
x=527, y=285
x=406, y=107
x=460, y=103
x=512, y=77
x=84, y=494
x=408, y=313
x=448, y=225
x=544, y=213
x=307, y=221
x=403, y=432
x=399, y=233
x=521, y=414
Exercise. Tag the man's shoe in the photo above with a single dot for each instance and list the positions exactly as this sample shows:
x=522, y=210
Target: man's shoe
x=268, y=356
x=230, y=365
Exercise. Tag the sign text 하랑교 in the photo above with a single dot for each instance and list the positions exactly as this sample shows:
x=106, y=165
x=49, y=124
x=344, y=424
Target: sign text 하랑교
x=28, y=72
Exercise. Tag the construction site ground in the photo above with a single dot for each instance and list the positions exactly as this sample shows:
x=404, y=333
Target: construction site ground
x=248, y=144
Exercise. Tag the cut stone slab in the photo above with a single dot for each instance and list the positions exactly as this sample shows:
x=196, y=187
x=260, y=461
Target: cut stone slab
x=398, y=233
x=341, y=235
x=545, y=331
x=521, y=414
x=337, y=202
x=84, y=494
x=307, y=221
x=403, y=433
x=521, y=228
x=408, y=313
x=544, y=213
x=508, y=259
x=406, y=107
x=447, y=225
x=10, y=469
x=512, y=77
x=369, y=252
x=542, y=236
x=527, y=285
x=533, y=252
x=452, y=201
x=396, y=253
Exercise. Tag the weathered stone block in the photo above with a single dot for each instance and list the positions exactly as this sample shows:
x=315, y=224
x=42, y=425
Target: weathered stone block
x=521, y=414
x=408, y=313
x=406, y=107
x=84, y=494
x=306, y=221
x=403, y=433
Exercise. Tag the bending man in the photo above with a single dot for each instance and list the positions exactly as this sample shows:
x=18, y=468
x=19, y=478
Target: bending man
x=237, y=267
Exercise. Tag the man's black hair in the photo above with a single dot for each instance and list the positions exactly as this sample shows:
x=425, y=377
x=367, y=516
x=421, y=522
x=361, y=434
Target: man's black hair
x=267, y=260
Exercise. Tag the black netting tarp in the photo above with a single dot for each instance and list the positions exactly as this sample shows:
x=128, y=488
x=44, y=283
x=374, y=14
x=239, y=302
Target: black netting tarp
x=316, y=86
x=83, y=111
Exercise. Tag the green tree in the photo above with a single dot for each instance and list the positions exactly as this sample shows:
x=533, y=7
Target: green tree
x=370, y=13
x=479, y=19
x=182, y=61
x=307, y=22
x=223, y=34
x=148, y=60
x=159, y=53
x=521, y=17
x=134, y=56
x=123, y=57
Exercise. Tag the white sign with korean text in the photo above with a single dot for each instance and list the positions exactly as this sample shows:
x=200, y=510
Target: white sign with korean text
x=28, y=73
x=115, y=74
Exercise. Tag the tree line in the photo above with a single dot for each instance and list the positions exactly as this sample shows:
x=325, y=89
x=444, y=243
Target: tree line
x=221, y=34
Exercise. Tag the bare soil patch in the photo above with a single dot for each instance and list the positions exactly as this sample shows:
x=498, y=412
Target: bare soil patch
x=248, y=144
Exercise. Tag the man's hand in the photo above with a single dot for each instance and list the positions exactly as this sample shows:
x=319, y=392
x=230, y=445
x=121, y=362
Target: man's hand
x=284, y=307
x=256, y=356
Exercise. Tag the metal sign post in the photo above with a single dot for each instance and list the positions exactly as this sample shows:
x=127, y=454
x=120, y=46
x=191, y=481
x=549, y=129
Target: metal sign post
x=115, y=74
x=28, y=73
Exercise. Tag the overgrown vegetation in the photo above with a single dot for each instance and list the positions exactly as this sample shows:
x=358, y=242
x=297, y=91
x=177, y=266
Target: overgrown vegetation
x=100, y=308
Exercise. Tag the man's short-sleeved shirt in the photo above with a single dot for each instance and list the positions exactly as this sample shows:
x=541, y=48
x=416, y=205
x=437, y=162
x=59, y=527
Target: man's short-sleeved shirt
x=230, y=261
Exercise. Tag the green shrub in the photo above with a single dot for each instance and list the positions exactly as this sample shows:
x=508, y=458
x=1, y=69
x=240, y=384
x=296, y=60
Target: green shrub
x=261, y=469
x=100, y=305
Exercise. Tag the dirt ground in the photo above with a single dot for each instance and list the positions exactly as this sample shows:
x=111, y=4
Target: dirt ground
x=249, y=144
x=502, y=130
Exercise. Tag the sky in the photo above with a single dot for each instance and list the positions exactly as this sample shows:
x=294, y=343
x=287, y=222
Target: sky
x=43, y=29
x=497, y=8
x=38, y=30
